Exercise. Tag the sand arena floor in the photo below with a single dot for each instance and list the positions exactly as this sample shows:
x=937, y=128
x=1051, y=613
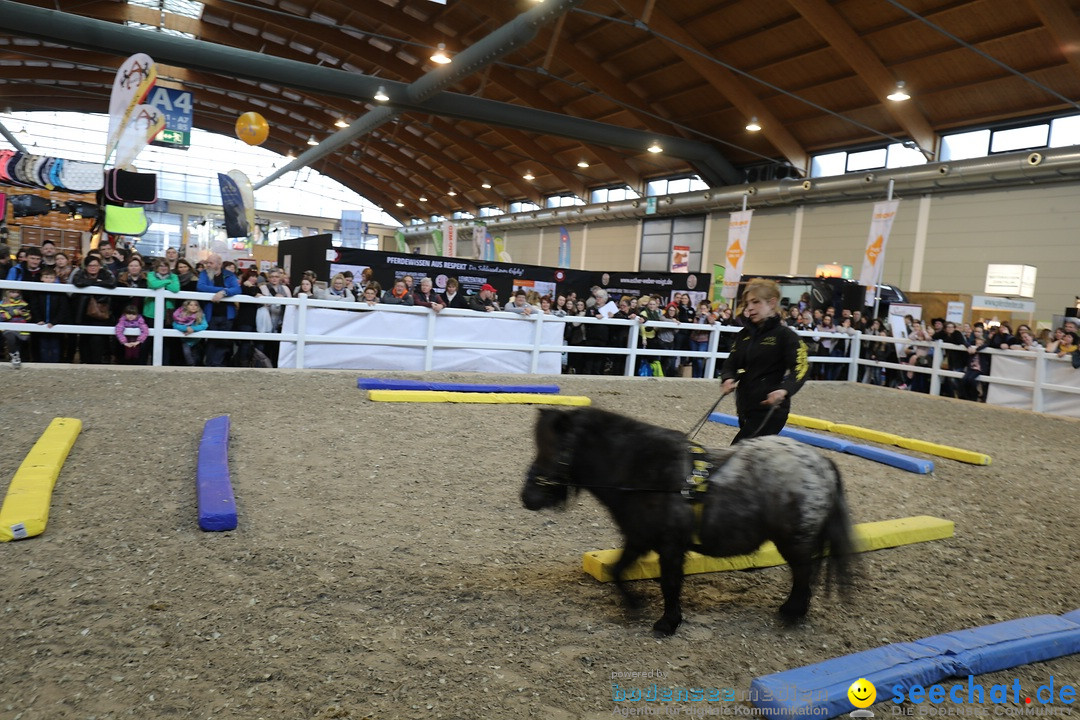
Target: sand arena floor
x=384, y=566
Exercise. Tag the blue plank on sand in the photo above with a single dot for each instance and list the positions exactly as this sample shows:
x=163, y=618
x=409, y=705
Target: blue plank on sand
x=217, y=505
x=820, y=690
x=391, y=384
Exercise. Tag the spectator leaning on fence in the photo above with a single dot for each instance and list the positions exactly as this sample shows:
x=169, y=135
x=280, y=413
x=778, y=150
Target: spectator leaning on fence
x=484, y=301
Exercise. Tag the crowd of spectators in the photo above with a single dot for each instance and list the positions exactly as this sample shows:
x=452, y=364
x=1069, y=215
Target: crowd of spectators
x=111, y=270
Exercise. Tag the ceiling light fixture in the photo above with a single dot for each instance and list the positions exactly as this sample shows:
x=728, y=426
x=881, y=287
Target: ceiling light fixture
x=582, y=164
x=753, y=125
x=381, y=95
x=422, y=198
x=290, y=155
x=399, y=204
x=452, y=192
x=655, y=148
x=899, y=94
x=311, y=140
x=528, y=175
x=440, y=56
x=341, y=123
x=486, y=185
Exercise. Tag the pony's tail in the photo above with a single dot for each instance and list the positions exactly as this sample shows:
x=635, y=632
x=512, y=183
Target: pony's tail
x=837, y=535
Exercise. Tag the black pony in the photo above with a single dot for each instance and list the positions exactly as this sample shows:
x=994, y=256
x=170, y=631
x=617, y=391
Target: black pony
x=768, y=488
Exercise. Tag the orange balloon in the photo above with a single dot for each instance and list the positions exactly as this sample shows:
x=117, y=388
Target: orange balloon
x=252, y=128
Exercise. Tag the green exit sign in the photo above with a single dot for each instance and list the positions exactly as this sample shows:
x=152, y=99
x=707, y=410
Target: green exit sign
x=173, y=139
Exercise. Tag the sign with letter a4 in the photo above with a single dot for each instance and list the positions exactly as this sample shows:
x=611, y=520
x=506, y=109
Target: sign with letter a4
x=176, y=106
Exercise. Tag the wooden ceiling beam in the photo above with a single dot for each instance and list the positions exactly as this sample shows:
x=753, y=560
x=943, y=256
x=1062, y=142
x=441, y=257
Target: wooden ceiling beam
x=448, y=129
x=869, y=67
x=1061, y=21
x=727, y=83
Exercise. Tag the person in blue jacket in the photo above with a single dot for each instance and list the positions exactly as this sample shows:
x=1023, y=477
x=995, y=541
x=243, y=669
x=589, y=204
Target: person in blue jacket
x=219, y=315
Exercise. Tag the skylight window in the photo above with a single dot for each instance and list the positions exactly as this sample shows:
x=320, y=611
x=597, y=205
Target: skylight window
x=187, y=8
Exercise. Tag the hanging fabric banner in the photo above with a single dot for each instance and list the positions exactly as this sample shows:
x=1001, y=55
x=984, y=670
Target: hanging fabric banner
x=449, y=233
x=247, y=194
x=500, y=250
x=737, y=239
x=437, y=241
x=478, y=232
x=232, y=202
x=489, y=247
x=402, y=246
x=680, y=258
x=564, y=247
x=145, y=124
x=134, y=79
x=873, y=259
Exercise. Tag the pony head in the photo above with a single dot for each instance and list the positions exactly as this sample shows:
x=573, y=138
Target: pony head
x=547, y=483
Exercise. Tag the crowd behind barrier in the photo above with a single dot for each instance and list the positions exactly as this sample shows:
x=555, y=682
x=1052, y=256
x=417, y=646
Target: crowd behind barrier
x=316, y=330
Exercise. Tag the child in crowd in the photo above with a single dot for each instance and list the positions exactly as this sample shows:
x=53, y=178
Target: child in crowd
x=13, y=309
x=48, y=309
x=132, y=332
x=189, y=319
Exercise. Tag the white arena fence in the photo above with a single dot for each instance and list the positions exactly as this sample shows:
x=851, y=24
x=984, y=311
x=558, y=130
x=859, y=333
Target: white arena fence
x=533, y=344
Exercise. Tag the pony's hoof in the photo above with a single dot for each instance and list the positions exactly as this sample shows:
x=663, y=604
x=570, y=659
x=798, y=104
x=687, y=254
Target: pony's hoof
x=665, y=628
x=792, y=612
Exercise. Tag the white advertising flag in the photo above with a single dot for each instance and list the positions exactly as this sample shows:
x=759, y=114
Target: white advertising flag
x=738, y=235
x=874, y=257
x=449, y=239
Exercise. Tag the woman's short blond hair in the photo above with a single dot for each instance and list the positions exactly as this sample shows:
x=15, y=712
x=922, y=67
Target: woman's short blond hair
x=762, y=289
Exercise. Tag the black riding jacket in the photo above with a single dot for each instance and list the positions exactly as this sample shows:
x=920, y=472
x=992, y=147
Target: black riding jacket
x=766, y=357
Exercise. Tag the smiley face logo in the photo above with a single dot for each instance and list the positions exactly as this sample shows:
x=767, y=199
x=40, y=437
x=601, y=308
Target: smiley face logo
x=862, y=693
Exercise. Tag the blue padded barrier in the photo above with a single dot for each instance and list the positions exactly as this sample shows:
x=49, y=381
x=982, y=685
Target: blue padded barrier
x=217, y=505
x=816, y=439
x=822, y=688
x=889, y=457
x=390, y=384
x=724, y=419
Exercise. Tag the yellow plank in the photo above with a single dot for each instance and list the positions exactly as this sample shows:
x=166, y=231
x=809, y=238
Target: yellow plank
x=866, y=434
x=930, y=448
x=868, y=536
x=443, y=396
x=26, y=506
x=947, y=451
x=813, y=423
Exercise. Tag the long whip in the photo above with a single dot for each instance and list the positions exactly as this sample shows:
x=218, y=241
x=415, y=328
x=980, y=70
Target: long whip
x=705, y=417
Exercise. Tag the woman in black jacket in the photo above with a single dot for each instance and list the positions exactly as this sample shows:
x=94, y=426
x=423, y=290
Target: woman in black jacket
x=93, y=310
x=767, y=363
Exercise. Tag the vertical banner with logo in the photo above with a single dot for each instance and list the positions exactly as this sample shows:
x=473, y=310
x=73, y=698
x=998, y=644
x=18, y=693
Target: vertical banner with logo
x=449, y=233
x=145, y=123
x=489, y=247
x=564, y=247
x=399, y=237
x=478, y=232
x=232, y=203
x=437, y=240
x=873, y=259
x=501, y=255
x=680, y=258
x=134, y=79
x=738, y=237
x=717, y=282
x=352, y=228
x=247, y=196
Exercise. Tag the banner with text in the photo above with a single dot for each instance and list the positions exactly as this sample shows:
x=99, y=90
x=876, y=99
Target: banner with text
x=449, y=233
x=564, y=247
x=873, y=258
x=737, y=240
